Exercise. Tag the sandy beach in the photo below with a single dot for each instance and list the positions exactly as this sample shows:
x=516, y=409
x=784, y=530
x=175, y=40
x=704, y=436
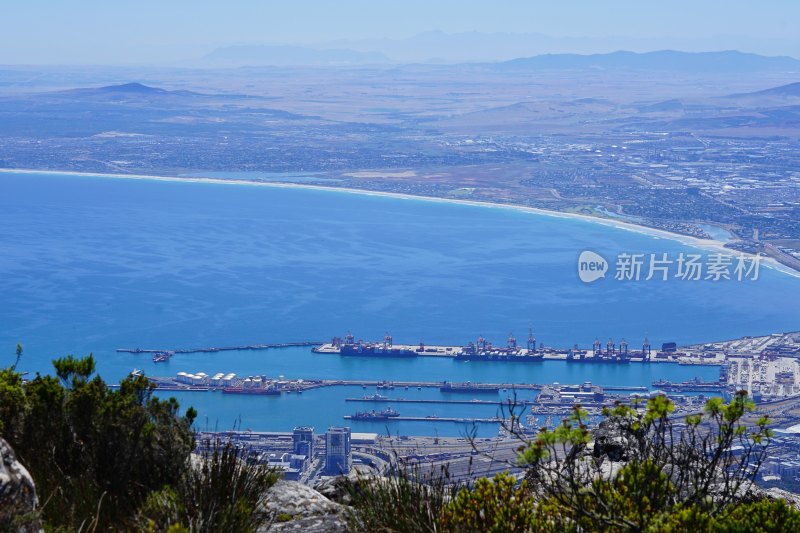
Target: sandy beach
x=704, y=244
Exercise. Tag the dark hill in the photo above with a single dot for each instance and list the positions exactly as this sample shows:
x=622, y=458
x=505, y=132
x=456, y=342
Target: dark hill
x=669, y=60
x=790, y=90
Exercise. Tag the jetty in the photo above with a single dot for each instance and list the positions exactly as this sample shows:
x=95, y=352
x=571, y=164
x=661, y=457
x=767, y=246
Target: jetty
x=203, y=382
x=430, y=401
x=221, y=348
x=433, y=418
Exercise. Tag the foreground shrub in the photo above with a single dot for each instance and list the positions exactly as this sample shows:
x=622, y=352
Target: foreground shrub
x=220, y=493
x=93, y=452
x=642, y=465
x=406, y=501
x=495, y=506
x=763, y=516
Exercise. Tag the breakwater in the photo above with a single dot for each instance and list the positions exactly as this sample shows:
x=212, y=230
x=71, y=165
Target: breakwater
x=219, y=349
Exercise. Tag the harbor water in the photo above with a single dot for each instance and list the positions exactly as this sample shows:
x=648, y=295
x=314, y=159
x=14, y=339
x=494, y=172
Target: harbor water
x=91, y=264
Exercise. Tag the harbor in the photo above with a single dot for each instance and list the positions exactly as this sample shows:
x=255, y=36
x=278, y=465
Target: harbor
x=475, y=391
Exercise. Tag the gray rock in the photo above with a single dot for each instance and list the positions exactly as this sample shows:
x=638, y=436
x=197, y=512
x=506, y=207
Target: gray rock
x=17, y=493
x=611, y=441
x=336, y=488
x=790, y=498
x=293, y=506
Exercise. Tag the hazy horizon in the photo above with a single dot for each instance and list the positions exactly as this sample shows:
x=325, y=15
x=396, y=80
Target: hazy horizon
x=153, y=33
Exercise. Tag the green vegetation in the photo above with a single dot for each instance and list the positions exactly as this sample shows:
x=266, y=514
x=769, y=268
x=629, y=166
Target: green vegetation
x=105, y=458
x=221, y=493
x=664, y=477
x=408, y=502
x=496, y=505
x=707, y=463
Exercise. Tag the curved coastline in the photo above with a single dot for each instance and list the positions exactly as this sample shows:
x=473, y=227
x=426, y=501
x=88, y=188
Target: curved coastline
x=703, y=244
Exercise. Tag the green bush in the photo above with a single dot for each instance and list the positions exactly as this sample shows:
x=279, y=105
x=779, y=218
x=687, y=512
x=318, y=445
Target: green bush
x=221, y=493
x=763, y=516
x=408, y=500
x=94, y=452
x=106, y=459
x=493, y=506
x=708, y=462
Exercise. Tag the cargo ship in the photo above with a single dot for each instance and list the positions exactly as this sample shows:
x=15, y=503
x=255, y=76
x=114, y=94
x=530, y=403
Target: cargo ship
x=468, y=387
x=611, y=354
x=483, y=351
x=374, y=416
x=500, y=357
x=350, y=347
x=693, y=385
x=375, y=350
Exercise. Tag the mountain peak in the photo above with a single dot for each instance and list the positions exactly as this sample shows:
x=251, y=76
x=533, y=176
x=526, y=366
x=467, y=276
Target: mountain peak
x=133, y=87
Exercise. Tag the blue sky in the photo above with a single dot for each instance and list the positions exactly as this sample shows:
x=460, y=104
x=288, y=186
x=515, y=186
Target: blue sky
x=144, y=31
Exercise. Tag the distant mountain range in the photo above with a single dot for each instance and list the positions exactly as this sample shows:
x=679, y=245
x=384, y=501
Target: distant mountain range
x=730, y=61
x=667, y=60
x=483, y=47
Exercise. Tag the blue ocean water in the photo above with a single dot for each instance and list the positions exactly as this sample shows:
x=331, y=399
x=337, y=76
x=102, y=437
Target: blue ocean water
x=90, y=264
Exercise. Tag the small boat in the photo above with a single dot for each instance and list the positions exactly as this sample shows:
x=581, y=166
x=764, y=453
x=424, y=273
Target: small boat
x=374, y=416
x=376, y=397
x=161, y=357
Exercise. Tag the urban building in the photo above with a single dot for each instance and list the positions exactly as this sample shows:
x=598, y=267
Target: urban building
x=338, y=457
x=303, y=441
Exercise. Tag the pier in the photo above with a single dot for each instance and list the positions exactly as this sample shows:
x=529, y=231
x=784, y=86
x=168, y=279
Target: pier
x=428, y=401
x=300, y=385
x=493, y=420
x=221, y=348
x=536, y=408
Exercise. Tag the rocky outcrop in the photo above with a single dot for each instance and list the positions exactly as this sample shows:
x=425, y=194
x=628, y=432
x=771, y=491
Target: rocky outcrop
x=610, y=441
x=17, y=493
x=293, y=506
x=338, y=489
